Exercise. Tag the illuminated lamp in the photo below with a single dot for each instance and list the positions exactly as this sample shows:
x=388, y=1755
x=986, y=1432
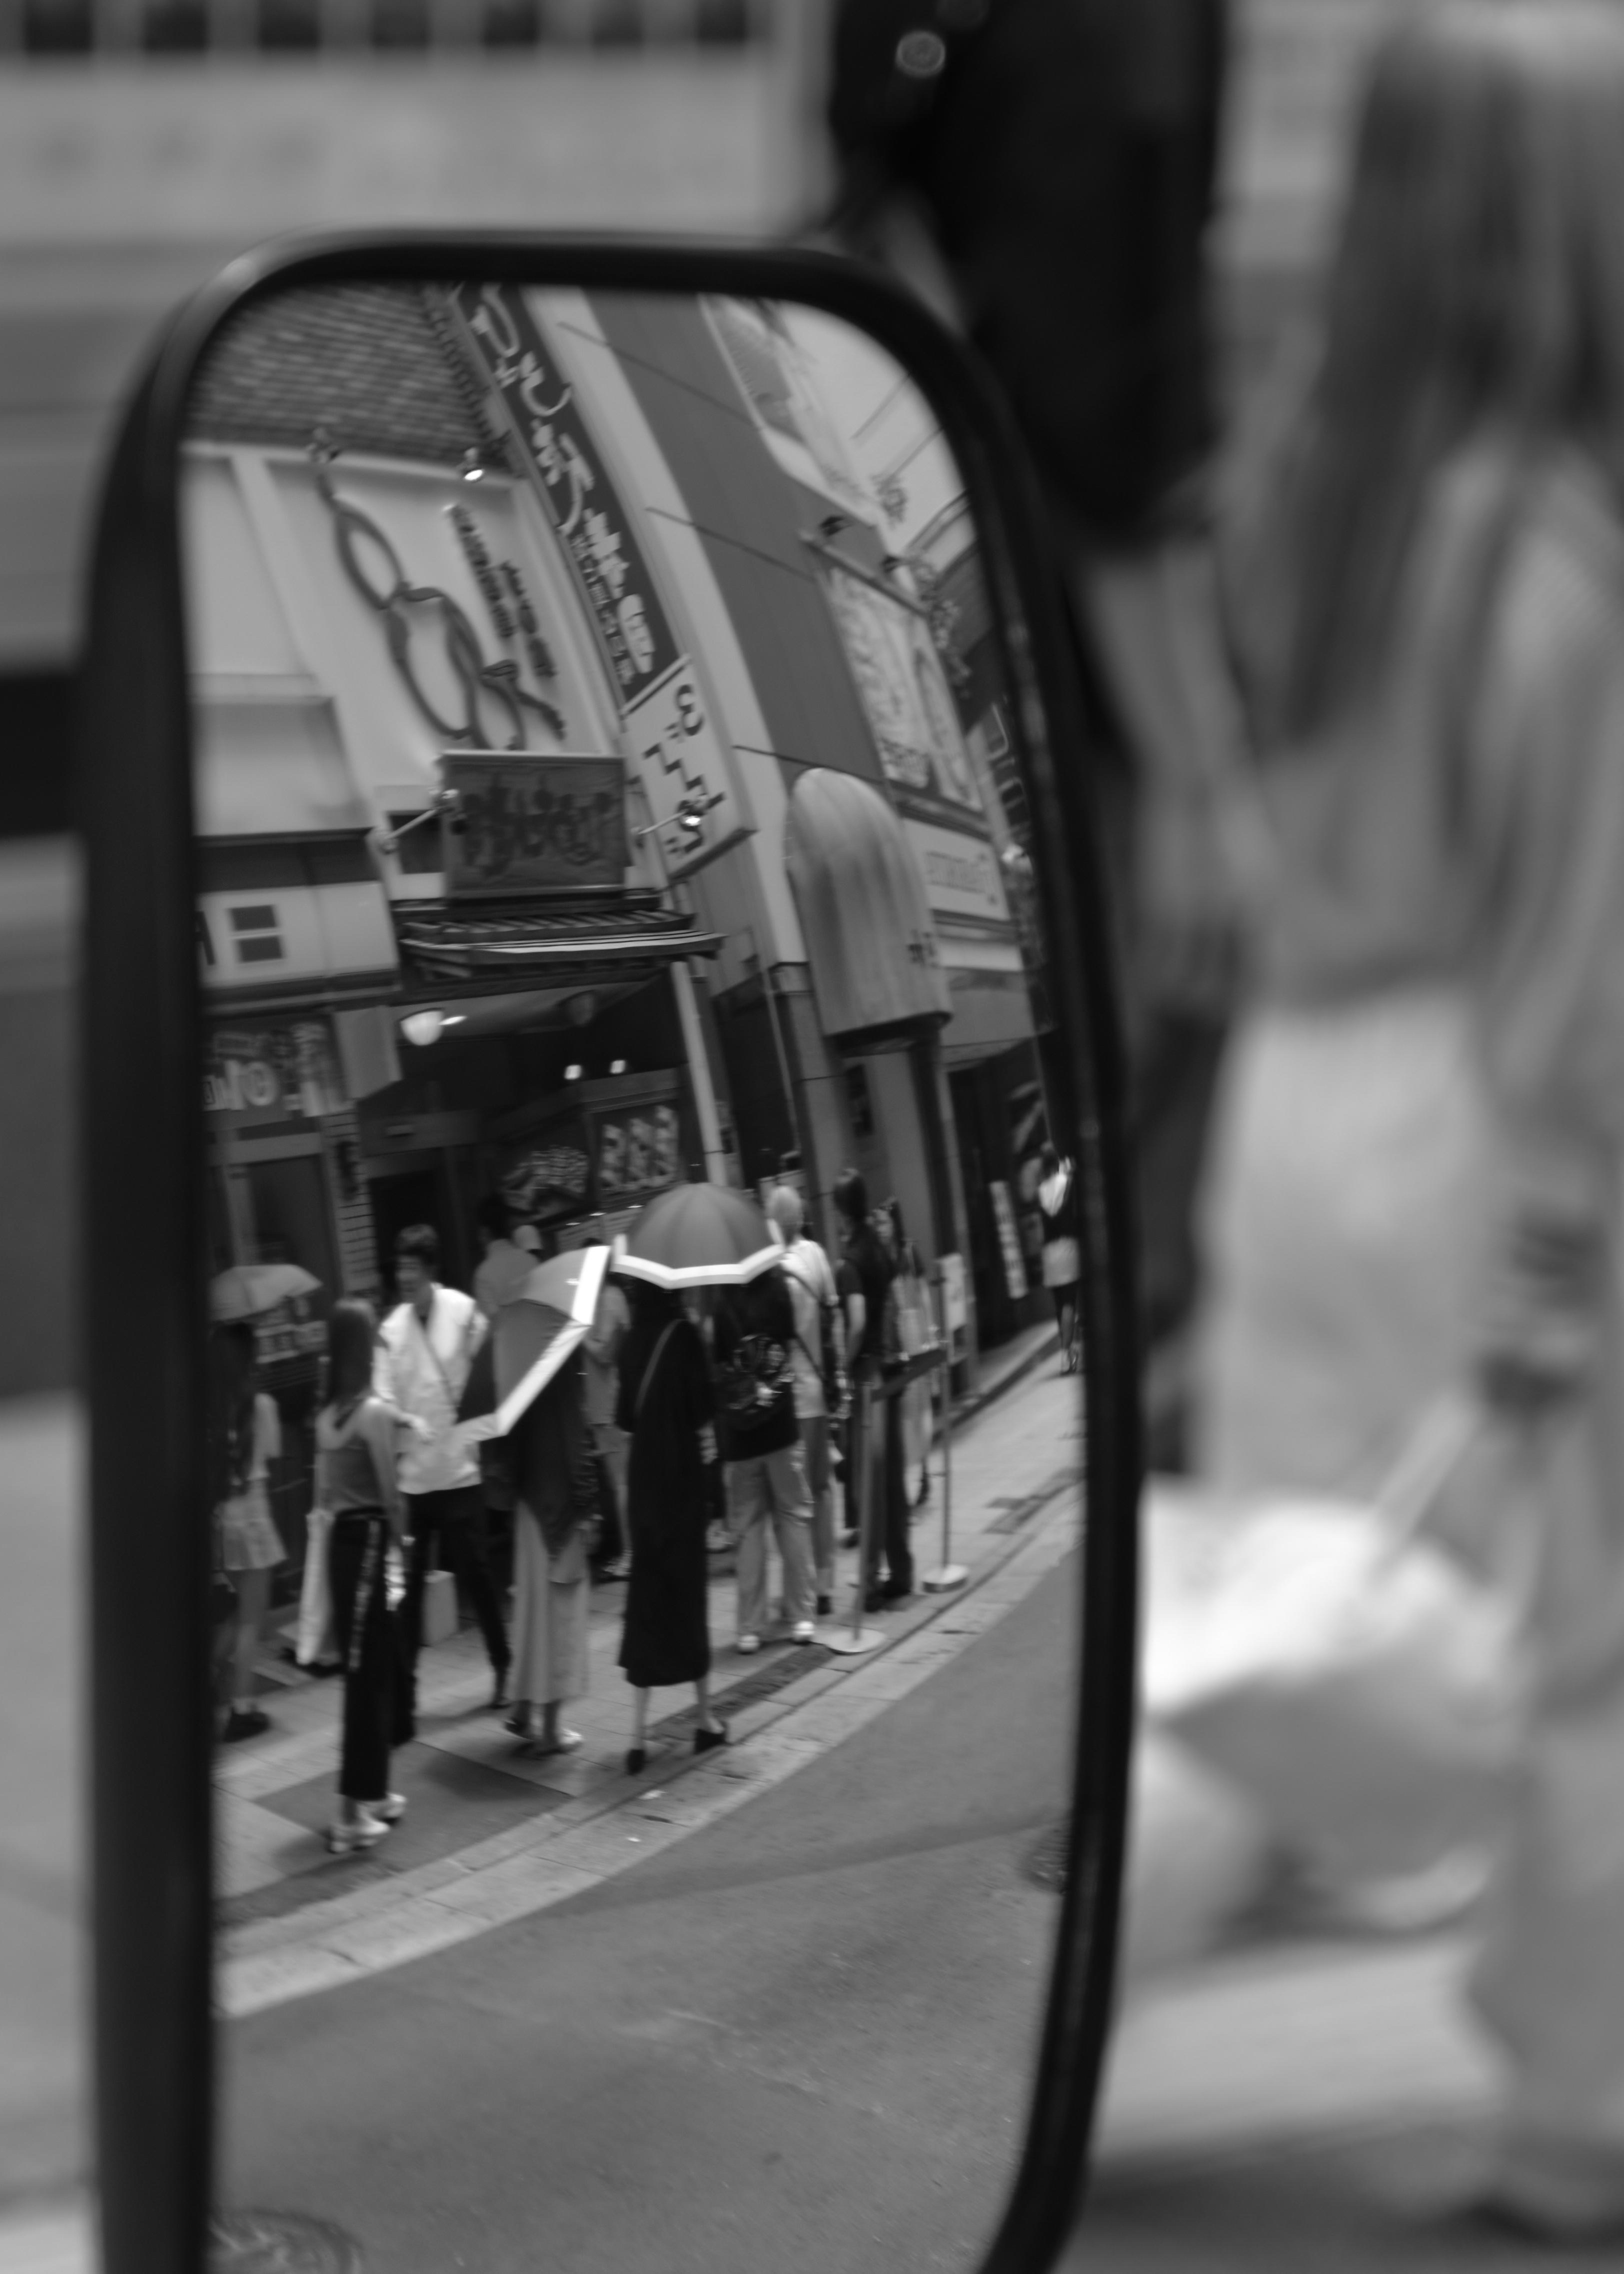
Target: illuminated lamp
x=572, y=1073
x=423, y=1026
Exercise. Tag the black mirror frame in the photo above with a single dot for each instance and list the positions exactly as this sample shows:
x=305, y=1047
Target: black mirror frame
x=143, y=1171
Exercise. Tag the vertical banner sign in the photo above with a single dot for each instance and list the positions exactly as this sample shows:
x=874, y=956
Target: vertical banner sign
x=655, y=684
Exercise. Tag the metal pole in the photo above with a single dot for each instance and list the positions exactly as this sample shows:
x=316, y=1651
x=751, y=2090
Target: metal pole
x=948, y=1574
x=861, y=1637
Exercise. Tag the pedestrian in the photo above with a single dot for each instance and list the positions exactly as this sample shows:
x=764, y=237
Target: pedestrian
x=245, y=1438
x=1416, y=1178
x=916, y=1330
x=425, y=1352
x=763, y=1467
x=817, y=1361
x=1042, y=171
x=1062, y=1265
x=551, y=1468
x=865, y=1278
x=512, y=1252
x=667, y=1409
x=601, y=1353
x=357, y=1480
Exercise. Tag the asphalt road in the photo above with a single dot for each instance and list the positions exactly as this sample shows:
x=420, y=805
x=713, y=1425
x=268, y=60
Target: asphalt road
x=799, y=2040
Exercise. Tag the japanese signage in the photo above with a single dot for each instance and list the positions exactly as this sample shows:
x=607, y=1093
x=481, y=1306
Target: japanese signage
x=904, y=691
x=962, y=875
x=533, y=825
x=637, y=1153
x=259, y=1073
x=597, y=532
x=682, y=756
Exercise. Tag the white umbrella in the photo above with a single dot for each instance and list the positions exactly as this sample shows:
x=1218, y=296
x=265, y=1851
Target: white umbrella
x=534, y=1333
x=247, y=1290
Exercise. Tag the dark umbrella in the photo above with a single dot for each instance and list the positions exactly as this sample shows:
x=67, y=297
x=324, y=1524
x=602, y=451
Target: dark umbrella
x=698, y=1235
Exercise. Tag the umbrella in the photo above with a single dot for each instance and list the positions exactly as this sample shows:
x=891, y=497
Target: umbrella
x=530, y=1337
x=698, y=1235
x=248, y=1289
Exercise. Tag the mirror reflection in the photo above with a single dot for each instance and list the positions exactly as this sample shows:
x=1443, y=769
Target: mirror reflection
x=641, y=1262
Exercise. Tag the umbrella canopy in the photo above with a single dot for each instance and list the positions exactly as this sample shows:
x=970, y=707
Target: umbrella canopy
x=699, y=1236
x=532, y=1335
x=247, y=1290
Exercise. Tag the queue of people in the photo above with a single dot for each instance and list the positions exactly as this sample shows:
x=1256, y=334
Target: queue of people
x=675, y=1413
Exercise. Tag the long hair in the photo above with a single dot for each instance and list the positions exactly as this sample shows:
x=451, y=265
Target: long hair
x=1448, y=315
x=233, y=1380
x=353, y=1330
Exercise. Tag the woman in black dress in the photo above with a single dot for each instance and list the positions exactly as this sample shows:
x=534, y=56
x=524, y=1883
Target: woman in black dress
x=667, y=1408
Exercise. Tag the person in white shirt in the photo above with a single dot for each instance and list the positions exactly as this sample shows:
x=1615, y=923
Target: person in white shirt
x=426, y=1348
x=812, y=1291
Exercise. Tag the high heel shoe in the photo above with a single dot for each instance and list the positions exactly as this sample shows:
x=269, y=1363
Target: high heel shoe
x=706, y=1741
x=636, y=1760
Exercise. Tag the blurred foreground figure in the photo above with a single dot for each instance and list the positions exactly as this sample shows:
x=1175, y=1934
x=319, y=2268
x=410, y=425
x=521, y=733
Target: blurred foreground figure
x=1416, y=1178
x=1041, y=171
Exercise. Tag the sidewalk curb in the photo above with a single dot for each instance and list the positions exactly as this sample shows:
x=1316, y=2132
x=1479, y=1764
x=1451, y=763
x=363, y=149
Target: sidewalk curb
x=529, y=1867
x=972, y=1405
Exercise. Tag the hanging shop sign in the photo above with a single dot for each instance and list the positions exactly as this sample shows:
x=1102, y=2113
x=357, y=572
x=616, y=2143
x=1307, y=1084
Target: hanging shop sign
x=680, y=756
x=533, y=825
x=272, y=1073
x=904, y=691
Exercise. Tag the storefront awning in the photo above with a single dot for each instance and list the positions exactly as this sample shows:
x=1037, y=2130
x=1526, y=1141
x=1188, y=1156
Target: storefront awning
x=861, y=898
x=442, y=948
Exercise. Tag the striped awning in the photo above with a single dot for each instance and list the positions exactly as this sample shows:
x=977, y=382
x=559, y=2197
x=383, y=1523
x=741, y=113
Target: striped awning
x=523, y=947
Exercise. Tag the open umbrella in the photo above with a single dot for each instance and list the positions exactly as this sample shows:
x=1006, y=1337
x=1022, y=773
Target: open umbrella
x=247, y=1290
x=530, y=1339
x=698, y=1235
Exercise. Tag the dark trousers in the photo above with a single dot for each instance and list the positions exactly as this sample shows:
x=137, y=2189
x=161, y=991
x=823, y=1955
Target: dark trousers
x=369, y=1644
x=888, y=1532
x=455, y=1521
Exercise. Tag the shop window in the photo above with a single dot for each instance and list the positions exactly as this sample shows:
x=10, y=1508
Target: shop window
x=511, y=24
x=289, y=24
x=723, y=23
x=175, y=26
x=58, y=27
x=400, y=23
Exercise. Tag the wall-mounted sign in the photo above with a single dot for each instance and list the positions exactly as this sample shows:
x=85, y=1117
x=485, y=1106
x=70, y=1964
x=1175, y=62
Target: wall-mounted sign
x=533, y=825
x=904, y=692
x=261, y=1073
x=637, y=1153
x=684, y=766
x=599, y=535
x=962, y=874
x=549, y=1176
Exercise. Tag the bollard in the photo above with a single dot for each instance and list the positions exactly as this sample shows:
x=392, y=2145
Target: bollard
x=861, y=1637
x=948, y=1574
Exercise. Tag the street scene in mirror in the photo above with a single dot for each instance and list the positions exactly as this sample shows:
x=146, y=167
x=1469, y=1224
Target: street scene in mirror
x=626, y=1087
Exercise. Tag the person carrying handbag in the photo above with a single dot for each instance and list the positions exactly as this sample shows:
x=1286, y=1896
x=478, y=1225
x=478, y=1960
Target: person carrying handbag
x=356, y=1479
